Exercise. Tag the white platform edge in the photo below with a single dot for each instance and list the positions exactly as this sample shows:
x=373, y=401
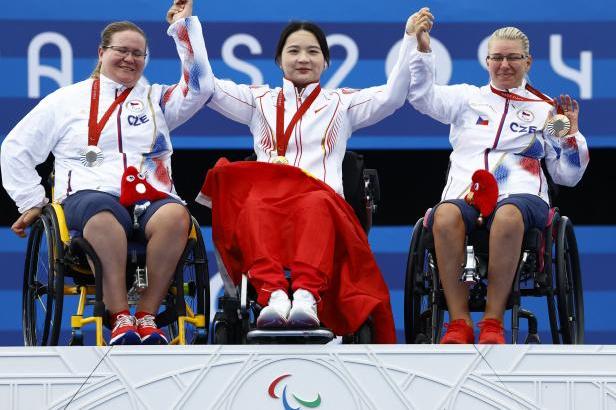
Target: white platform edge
x=324, y=377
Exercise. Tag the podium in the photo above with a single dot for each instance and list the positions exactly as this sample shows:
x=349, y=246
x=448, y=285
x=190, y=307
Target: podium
x=309, y=377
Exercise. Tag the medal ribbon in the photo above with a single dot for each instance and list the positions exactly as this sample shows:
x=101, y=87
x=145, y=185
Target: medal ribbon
x=282, y=135
x=516, y=97
x=95, y=128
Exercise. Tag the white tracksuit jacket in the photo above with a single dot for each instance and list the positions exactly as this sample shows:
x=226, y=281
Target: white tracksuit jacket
x=137, y=133
x=319, y=139
x=500, y=135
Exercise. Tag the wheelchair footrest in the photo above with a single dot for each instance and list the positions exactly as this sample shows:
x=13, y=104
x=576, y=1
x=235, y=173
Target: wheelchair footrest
x=290, y=336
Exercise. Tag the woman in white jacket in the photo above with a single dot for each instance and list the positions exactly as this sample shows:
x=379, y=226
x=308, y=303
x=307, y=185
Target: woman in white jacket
x=96, y=129
x=498, y=128
x=303, y=125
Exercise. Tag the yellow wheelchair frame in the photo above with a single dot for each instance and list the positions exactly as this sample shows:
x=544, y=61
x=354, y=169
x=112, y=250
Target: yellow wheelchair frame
x=52, y=256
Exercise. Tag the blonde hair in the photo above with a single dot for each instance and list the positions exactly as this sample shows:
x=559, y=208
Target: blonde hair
x=107, y=34
x=511, y=33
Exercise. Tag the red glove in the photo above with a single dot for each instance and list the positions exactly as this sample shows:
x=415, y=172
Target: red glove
x=135, y=189
x=483, y=193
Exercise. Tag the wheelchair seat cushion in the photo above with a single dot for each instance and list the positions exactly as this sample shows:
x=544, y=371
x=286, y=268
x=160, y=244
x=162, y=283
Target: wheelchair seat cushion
x=258, y=211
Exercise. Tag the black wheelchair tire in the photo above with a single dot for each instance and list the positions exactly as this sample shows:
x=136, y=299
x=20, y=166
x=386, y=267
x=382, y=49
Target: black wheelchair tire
x=196, y=288
x=363, y=336
x=221, y=334
x=421, y=323
x=569, y=295
x=49, y=293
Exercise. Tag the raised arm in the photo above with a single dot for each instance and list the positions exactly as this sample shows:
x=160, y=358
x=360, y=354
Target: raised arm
x=567, y=157
x=370, y=105
x=181, y=101
x=443, y=103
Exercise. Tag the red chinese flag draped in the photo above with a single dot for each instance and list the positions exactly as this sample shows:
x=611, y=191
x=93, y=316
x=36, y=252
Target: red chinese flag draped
x=271, y=202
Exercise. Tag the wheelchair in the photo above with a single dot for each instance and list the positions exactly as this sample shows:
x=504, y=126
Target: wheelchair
x=236, y=317
x=549, y=267
x=56, y=266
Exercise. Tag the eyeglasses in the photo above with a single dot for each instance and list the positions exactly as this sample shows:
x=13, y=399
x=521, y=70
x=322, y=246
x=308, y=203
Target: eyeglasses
x=124, y=52
x=510, y=57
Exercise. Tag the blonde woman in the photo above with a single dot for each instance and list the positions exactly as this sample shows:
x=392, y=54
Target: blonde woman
x=496, y=127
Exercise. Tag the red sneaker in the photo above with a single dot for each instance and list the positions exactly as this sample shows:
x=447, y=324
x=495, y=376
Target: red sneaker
x=458, y=332
x=148, y=331
x=124, y=331
x=491, y=332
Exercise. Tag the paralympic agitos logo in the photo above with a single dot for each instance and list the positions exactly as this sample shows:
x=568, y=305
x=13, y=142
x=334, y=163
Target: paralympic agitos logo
x=285, y=399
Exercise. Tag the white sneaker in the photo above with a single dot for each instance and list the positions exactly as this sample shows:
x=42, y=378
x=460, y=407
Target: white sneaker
x=303, y=314
x=276, y=313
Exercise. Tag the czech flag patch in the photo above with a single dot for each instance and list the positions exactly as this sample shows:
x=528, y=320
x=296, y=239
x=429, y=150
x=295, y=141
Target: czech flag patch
x=482, y=120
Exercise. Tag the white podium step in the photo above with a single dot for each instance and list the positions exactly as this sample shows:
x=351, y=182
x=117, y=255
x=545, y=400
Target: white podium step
x=309, y=377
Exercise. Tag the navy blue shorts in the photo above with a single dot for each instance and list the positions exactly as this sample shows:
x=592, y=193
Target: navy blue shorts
x=83, y=205
x=534, y=211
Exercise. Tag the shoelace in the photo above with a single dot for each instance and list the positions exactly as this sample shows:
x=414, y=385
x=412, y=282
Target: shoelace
x=123, y=320
x=147, y=321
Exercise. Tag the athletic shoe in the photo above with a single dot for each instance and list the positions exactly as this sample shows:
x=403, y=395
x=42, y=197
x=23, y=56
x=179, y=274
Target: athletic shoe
x=303, y=314
x=491, y=332
x=276, y=313
x=459, y=333
x=148, y=331
x=124, y=331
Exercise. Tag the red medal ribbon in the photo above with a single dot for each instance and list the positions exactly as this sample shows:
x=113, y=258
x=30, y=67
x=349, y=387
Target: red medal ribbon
x=95, y=128
x=282, y=135
x=516, y=97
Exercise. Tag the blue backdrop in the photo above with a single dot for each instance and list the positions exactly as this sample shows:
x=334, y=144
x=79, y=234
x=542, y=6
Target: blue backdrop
x=45, y=44
x=570, y=44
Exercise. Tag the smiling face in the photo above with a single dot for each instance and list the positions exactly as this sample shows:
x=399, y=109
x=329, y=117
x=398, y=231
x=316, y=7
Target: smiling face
x=507, y=74
x=123, y=69
x=302, y=60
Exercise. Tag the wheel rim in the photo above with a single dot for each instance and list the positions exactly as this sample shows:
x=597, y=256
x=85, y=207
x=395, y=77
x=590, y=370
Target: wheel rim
x=418, y=292
x=196, y=291
x=39, y=296
x=569, y=290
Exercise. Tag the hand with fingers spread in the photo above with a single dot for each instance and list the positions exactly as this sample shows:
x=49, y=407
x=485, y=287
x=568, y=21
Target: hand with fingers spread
x=26, y=219
x=570, y=109
x=179, y=9
x=420, y=24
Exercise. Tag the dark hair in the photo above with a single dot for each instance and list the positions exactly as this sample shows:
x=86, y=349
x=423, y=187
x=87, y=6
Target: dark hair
x=110, y=30
x=294, y=26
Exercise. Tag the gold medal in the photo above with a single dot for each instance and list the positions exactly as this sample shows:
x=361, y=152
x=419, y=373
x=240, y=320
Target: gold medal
x=281, y=159
x=558, y=125
x=92, y=156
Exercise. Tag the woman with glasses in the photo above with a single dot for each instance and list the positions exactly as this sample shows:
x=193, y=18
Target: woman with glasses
x=96, y=129
x=498, y=128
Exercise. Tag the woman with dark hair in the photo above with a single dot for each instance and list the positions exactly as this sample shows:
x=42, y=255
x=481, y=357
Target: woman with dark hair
x=92, y=149
x=301, y=125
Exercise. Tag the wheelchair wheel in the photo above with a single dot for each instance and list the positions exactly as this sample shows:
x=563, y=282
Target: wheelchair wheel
x=223, y=334
x=196, y=289
x=43, y=286
x=423, y=319
x=363, y=336
x=569, y=295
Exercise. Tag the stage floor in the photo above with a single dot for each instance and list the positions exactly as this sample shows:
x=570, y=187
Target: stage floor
x=310, y=377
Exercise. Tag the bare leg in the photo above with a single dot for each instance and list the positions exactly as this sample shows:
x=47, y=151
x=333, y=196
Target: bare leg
x=166, y=233
x=506, y=236
x=108, y=239
x=449, y=233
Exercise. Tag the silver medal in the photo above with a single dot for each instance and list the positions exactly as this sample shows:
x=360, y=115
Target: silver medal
x=558, y=125
x=92, y=156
